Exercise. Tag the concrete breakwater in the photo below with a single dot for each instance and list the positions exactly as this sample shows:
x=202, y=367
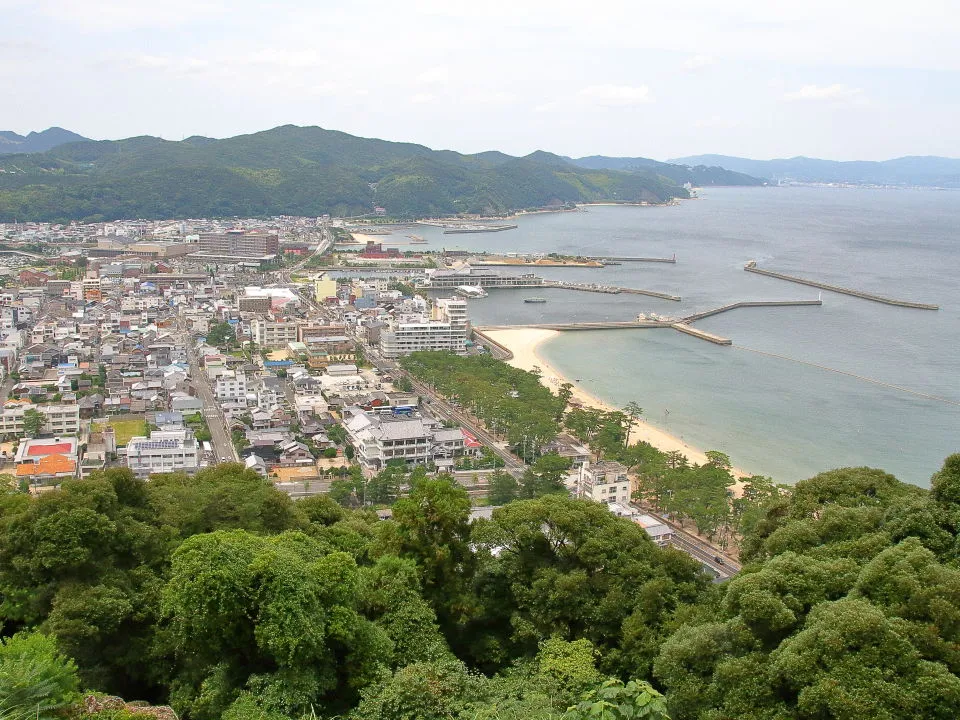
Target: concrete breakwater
x=758, y=303
x=752, y=267
x=608, y=289
x=614, y=258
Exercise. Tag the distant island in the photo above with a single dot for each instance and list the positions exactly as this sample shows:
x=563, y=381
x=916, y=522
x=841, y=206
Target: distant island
x=309, y=171
x=916, y=171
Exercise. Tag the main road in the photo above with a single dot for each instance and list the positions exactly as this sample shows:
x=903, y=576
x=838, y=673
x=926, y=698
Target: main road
x=220, y=437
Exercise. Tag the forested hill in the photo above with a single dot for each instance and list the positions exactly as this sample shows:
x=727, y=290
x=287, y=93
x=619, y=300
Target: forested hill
x=924, y=171
x=699, y=173
x=11, y=142
x=297, y=171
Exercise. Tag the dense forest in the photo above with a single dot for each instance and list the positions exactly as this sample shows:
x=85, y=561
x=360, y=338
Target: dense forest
x=297, y=171
x=221, y=596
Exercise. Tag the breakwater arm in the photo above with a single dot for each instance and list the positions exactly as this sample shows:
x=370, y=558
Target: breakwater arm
x=752, y=267
x=758, y=303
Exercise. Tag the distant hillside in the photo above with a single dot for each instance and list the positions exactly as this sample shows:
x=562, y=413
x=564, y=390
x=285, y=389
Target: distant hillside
x=699, y=174
x=929, y=171
x=34, y=142
x=298, y=171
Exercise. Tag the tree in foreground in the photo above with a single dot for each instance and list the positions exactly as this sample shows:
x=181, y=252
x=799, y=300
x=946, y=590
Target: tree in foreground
x=36, y=681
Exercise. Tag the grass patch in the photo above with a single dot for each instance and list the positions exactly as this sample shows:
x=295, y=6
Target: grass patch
x=127, y=428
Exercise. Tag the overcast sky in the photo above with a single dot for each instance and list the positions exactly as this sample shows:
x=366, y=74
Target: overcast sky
x=842, y=79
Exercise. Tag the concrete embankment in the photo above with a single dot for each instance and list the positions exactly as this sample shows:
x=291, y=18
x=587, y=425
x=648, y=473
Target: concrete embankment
x=752, y=267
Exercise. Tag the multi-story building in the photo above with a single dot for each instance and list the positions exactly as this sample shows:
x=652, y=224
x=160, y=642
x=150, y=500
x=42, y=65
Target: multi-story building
x=163, y=452
x=273, y=334
x=380, y=438
x=239, y=243
x=604, y=482
x=61, y=419
x=477, y=277
x=230, y=386
x=47, y=460
x=444, y=329
x=324, y=287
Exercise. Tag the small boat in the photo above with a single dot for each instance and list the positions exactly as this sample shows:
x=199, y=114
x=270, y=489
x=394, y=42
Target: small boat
x=534, y=300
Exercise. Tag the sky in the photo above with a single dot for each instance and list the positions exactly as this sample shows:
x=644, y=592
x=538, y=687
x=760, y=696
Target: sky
x=839, y=79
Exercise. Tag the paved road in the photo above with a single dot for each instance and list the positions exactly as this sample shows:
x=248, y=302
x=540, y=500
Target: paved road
x=440, y=407
x=702, y=551
x=220, y=438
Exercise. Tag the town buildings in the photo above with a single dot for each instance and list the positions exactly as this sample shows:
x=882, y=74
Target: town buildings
x=163, y=452
x=445, y=328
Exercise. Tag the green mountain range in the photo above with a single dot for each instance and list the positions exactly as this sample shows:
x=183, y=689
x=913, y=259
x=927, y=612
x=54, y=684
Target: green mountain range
x=912, y=170
x=300, y=171
x=698, y=174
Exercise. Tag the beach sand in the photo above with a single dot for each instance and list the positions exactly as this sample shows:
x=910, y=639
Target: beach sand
x=523, y=343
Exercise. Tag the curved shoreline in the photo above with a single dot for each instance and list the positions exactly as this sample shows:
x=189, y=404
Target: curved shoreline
x=524, y=343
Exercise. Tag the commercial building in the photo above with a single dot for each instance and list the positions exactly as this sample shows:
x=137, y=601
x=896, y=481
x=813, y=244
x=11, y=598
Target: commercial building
x=324, y=287
x=604, y=482
x=61, y=419
x=444, y=329
x=239, y=243
x=380, y=438
x=164, y=451
x=48, y=460
x=273, y=335
x=477, y=277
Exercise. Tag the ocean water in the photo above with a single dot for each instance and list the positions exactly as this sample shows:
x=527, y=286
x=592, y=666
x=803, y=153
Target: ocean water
x=795, y=414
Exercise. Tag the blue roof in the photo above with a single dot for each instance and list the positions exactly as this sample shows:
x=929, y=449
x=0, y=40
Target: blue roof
x=277, y=363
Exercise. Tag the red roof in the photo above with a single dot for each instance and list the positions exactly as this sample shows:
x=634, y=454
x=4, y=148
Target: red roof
x=55, y=449
x=469, y=440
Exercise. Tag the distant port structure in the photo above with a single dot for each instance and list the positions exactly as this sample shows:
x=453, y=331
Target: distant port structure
x=752, y=267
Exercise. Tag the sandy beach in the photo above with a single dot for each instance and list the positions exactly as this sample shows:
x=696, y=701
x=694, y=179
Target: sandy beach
x=523, y=343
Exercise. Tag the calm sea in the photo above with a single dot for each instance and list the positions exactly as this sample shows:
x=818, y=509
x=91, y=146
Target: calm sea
x=778, y=416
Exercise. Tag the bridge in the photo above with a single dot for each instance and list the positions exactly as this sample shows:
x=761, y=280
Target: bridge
x=25, y=254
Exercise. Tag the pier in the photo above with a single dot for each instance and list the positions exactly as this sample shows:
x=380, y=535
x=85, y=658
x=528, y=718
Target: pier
x=608, y=289
x=702, y=334
x=752, y=267
x=759, y=303
x=682, y=325
x=613, y=258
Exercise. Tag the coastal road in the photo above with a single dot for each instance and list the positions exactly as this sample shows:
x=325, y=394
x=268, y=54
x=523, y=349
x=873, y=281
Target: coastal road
x=443, y=409
x=701, y=551
x=220, y=438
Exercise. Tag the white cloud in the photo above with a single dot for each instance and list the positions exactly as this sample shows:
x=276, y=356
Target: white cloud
x=838, y=92
x=617, y=95
x=423, y=98
x=433, y=76
x=698, y=62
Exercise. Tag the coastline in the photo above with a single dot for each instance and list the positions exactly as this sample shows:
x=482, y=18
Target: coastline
x=524, y=344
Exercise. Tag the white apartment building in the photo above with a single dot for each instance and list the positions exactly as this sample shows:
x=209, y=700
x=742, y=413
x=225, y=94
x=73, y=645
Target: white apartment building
x=273, y=334
x=164, y=451
x=230, y=386
x=604, y=482
x=444, y=329
x=380, y=438
x=61, y=419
